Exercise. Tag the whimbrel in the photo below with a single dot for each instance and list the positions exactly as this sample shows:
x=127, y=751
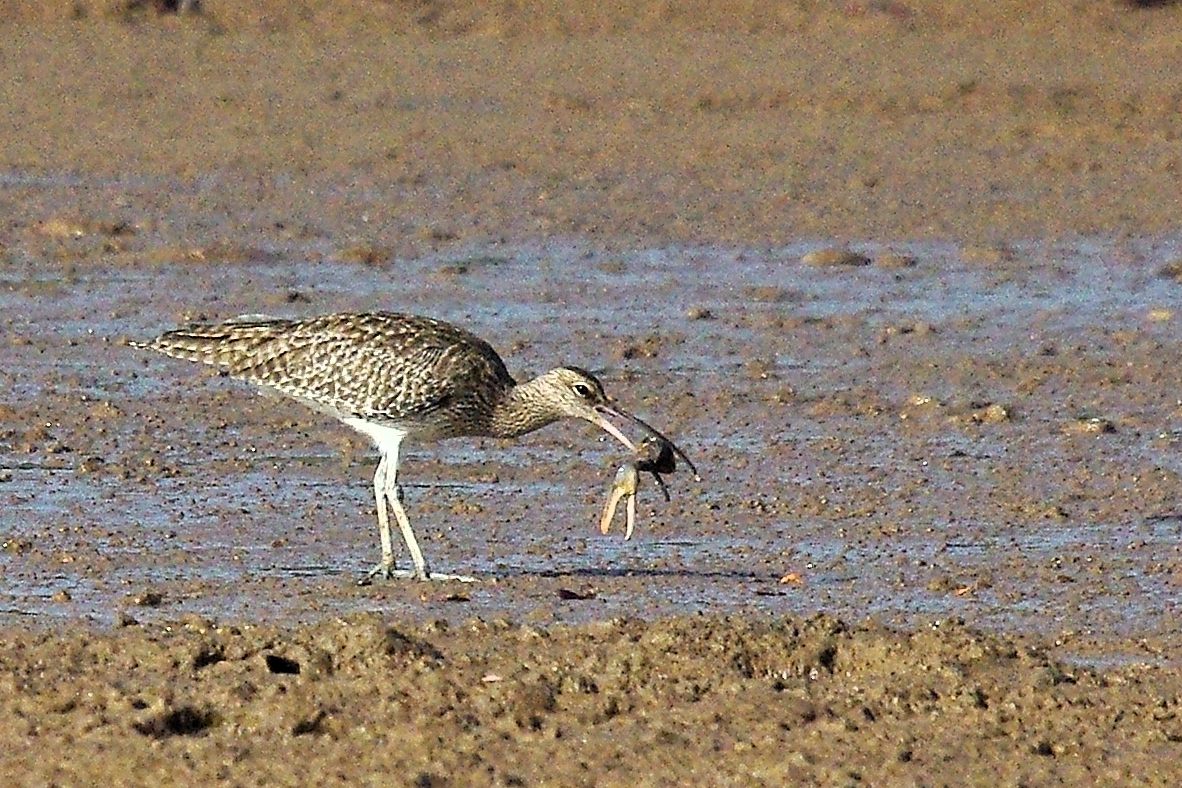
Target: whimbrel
x=394, y=376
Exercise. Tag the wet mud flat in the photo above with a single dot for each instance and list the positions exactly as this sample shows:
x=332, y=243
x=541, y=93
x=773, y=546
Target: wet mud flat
x=936, y=540
x=979, y=434
x=937, y=439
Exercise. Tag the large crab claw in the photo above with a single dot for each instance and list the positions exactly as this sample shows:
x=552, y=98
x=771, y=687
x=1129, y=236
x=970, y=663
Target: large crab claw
x=623, y=489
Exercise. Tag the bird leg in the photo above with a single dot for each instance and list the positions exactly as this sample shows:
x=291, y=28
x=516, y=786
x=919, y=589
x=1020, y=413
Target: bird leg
x=408, y=535
x=383, y=485
x=387, y=492
x=385, y=569
x=394, y=496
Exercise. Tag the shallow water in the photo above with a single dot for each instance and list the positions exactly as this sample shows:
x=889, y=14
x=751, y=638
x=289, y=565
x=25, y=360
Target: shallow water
x=830, y=411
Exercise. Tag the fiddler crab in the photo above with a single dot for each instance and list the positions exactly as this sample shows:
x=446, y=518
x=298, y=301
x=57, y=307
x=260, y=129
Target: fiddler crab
x=655, y=455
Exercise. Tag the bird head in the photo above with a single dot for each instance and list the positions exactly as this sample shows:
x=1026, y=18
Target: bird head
x=576, y=393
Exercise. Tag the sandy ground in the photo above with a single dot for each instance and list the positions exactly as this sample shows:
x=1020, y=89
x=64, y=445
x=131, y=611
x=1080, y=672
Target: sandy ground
x=971, y=441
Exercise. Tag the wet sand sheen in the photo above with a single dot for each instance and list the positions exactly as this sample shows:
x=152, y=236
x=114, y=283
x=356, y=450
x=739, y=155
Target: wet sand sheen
x=908, y=443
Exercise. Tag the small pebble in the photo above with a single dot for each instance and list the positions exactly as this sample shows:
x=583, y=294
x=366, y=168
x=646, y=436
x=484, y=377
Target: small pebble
x=16, y=546
x=941, y=584
x=919, y=328
x=91, y=464
x=1089, y=425
x=992, y=414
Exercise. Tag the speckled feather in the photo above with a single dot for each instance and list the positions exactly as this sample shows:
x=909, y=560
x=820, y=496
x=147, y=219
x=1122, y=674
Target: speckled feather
x=422, y=375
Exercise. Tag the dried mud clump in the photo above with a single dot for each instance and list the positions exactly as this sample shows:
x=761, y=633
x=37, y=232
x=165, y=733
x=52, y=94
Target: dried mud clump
x=179, y=7
x=812, y=700
x=183, y=721
x=834, y=257
x=366, y=254
x=1172, y=270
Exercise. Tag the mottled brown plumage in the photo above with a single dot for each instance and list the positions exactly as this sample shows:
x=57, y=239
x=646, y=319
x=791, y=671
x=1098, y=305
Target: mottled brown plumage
x=392, y=376
x=400, y=370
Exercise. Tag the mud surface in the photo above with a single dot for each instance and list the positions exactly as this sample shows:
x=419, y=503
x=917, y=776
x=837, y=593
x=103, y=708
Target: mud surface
x=914, y=317
x=675, y=702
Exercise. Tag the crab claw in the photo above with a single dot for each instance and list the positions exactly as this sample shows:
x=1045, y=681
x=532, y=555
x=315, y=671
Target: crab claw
x=624, y=487
x=630, y=511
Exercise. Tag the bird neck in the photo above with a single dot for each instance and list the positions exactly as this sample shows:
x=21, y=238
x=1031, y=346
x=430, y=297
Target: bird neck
x=522, y=408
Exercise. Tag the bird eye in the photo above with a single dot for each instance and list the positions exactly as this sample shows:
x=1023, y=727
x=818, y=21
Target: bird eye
x=583, y=390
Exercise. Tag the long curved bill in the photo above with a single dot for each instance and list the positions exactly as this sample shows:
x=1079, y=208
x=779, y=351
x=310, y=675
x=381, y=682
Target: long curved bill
x=614, y=431
x=644, y=425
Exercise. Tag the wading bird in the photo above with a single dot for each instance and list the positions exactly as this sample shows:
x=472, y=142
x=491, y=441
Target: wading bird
x=392, y=377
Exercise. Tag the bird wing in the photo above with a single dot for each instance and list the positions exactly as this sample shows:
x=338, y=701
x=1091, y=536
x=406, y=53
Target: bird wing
x=434, y=377
x=387, y=366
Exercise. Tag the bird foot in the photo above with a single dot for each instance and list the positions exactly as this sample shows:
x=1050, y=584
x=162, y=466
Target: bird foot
x=386, y=571
x=452, y=578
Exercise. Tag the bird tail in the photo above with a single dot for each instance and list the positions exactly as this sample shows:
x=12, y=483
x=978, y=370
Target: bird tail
x=233, y=345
